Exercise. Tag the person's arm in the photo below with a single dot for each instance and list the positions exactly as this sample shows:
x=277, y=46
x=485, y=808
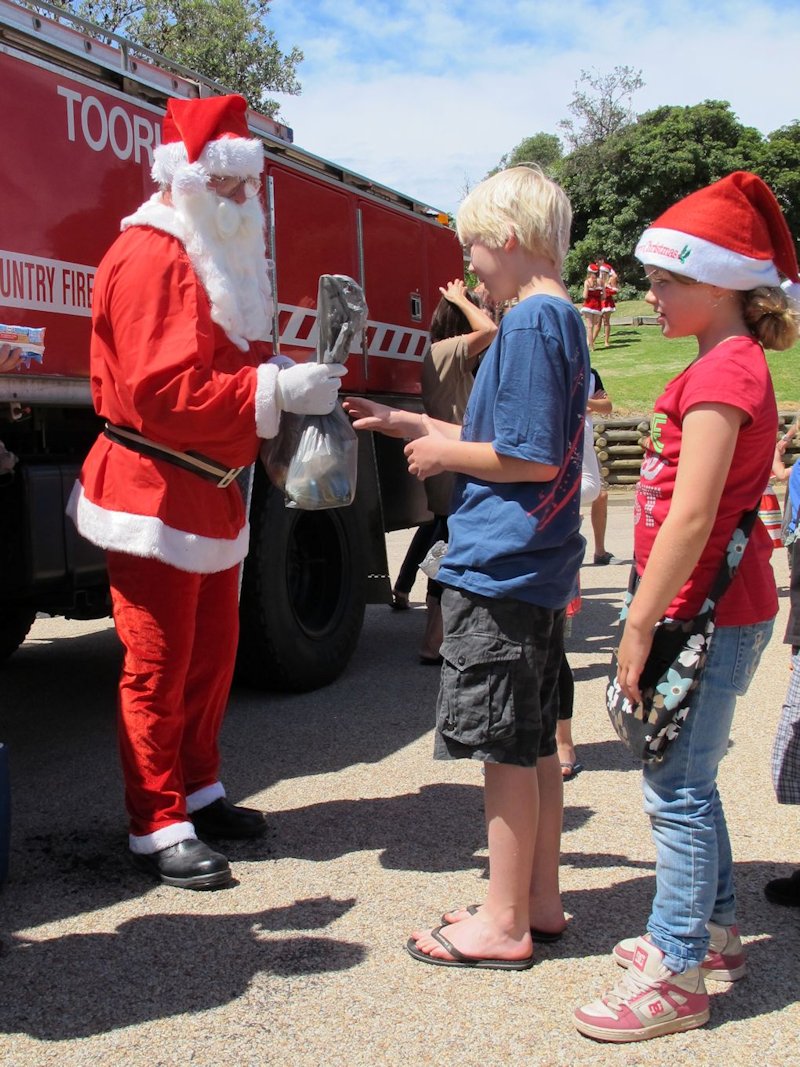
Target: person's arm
x=779, y=468
x=477, y=459
x=395, y=422
x=710, y=432
x=600, y=403
x=786, y=439
x=483, y=325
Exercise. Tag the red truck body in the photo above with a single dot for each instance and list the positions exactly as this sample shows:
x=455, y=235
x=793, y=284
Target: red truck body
x=81, y=114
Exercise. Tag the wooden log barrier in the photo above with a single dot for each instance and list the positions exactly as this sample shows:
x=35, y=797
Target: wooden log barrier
x=619, y=444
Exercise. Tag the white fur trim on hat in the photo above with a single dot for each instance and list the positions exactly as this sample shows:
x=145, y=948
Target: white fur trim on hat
x=238, y=157
x=694, y=257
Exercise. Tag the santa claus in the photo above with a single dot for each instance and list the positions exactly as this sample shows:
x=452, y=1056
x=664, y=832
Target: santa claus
x=181, y=373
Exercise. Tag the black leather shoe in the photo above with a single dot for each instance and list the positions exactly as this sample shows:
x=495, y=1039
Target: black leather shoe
x=784, y=891
x=223, y=819
x=188, y=865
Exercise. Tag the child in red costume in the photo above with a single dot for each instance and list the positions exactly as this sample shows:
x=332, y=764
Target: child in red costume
x=179, y=364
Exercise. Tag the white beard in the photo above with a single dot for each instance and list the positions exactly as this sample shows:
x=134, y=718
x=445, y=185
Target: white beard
x=226, y=245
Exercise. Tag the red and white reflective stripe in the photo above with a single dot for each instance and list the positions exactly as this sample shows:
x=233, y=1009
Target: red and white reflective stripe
x=298, y=329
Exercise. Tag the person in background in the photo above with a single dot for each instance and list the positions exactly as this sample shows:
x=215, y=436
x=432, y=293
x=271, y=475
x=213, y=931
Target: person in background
x=714, y=263
x=180, y=369
x=786, y=746
x=460, y=332
x=592, y=306
x=600, y=404
x=609, y=282
x=565, y=745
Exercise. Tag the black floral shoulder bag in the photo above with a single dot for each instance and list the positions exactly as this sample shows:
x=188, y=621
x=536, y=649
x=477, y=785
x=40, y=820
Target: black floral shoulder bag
x=674, y=665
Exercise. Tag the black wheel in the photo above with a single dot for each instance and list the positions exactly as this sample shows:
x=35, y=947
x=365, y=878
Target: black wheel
x=14, y=625
x=303, y=593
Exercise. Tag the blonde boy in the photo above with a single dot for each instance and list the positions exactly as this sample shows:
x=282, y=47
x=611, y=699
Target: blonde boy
x=512, y=562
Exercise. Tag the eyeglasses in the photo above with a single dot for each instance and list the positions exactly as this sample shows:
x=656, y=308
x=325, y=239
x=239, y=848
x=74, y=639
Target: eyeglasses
x=228, y=185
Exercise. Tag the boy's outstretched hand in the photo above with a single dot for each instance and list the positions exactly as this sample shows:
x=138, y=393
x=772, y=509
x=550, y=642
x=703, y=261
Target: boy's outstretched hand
x=370, y=415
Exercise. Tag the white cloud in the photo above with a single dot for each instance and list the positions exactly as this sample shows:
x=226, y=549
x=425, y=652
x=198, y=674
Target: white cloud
x=425, y=95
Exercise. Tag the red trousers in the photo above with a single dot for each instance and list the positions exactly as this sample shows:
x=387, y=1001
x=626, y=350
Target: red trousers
x=180, y=632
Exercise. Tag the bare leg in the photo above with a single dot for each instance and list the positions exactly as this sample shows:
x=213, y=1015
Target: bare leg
x=546, y=909
x=599, y=522
x=589, y=332
x=565, y=743
x=501, y=929
x=434, y=634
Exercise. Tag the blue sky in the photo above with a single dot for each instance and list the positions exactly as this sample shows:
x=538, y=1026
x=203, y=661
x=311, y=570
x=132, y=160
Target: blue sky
x=427, y=95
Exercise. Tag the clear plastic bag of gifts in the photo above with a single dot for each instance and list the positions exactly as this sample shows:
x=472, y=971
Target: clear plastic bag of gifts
x=313, y=459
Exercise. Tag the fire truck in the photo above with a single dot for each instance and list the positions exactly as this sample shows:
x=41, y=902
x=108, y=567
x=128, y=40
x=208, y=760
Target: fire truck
x=81, y=114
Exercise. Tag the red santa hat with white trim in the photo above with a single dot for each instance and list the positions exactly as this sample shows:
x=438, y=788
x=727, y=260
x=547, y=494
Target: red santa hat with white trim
x=201, y=137
x=732, y=234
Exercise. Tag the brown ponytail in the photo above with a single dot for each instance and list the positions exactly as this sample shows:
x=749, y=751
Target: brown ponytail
x=770, y=318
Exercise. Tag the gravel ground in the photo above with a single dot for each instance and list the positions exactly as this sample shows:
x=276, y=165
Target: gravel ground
x=301, y=962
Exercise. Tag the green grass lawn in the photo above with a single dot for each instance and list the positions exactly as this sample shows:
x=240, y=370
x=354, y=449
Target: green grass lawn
x=639, y=362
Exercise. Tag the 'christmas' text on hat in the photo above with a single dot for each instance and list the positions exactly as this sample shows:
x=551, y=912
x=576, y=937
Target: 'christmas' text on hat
x=204, y=137
x=732, y=234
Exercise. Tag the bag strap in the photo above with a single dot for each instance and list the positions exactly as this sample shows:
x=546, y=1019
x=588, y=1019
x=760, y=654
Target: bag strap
x=727, y=572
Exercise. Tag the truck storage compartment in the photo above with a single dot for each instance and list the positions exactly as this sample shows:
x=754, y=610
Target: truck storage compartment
x=55, y=551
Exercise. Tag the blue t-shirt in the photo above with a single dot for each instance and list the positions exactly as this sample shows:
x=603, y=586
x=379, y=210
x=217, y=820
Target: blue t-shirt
x=522, y=539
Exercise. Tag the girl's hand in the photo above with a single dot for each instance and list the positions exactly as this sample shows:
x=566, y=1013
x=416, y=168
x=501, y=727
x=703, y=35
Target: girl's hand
x=9, y=358
x=454, y=291
x=634, y=649
x=423, y=456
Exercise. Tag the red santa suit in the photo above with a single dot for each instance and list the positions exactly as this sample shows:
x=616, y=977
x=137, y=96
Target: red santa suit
x=178, y=367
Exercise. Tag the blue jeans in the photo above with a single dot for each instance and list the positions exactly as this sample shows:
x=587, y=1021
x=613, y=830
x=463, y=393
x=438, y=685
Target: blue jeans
x=694, y=866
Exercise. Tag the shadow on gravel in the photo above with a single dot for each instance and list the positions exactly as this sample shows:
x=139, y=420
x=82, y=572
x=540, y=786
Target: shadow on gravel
x=159, y=966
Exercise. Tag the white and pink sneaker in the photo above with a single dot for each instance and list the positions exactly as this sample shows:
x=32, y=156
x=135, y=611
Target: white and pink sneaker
x=650, y=1001
x=724, y=960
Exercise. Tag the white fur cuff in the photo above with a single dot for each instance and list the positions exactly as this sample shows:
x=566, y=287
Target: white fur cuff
x=205, y=796
x=166, y=837
x=268, y=415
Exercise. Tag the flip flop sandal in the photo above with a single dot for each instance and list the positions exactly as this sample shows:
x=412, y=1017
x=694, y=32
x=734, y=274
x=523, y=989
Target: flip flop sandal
x=572, y=769
x=461, y=960
x=539, y=937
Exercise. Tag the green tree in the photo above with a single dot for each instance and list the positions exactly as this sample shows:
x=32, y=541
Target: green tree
x=226, y=40
x=542, y=148
x=620, y=185
x=779, y=166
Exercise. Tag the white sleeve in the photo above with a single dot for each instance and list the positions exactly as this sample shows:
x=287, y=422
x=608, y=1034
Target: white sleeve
x=590, y=473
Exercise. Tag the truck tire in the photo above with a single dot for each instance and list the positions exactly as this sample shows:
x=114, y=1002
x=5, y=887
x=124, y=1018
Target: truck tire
x=303, y=593
x=14, y=625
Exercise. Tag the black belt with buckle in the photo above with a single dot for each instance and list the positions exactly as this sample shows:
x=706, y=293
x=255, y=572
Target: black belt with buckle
x=190, y=461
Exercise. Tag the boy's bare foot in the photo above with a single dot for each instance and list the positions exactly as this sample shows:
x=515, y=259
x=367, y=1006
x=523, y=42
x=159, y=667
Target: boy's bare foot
x=477, y=939
x=543, y=933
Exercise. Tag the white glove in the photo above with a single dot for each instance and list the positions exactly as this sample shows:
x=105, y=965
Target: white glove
x=309, y=388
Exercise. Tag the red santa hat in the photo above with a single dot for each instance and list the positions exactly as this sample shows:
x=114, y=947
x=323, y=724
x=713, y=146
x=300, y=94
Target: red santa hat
x=732, y=234
x=204, y=137
x=592, y=268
